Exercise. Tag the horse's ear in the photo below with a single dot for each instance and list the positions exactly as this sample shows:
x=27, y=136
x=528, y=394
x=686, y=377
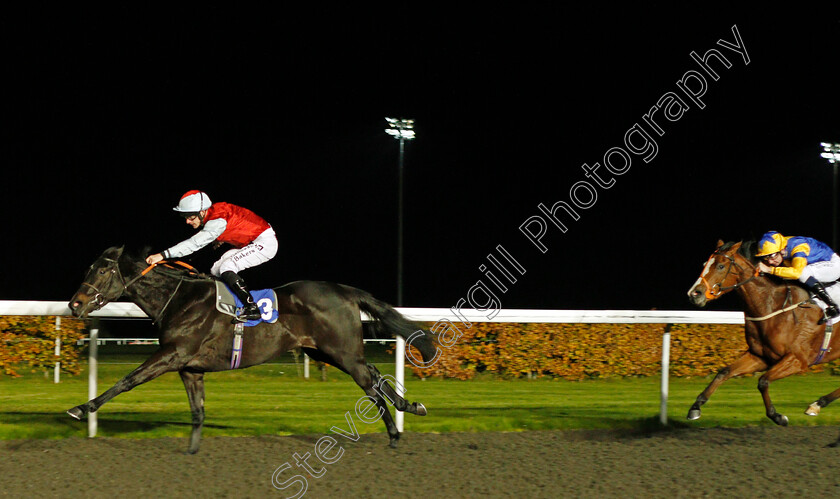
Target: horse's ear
x=720, y=243
x=113, y=252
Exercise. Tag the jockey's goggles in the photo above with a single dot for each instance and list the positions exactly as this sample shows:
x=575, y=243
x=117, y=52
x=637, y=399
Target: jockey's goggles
x=770, y=256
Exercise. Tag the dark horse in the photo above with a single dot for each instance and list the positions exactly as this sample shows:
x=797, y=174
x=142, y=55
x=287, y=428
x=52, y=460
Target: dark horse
x=783, y=326
x=320, y=318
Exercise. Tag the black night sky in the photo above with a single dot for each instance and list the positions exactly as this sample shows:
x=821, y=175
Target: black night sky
x=109, y=116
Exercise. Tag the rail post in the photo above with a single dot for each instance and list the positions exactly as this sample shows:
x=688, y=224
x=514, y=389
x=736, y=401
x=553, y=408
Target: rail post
x=93, y=346
x=666, y=361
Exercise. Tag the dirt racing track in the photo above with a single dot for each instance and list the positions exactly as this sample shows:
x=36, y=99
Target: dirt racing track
x=749, y=462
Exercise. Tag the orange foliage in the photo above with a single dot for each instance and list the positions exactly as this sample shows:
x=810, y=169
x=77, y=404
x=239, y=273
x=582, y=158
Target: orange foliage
x=30, y=340
x=578, y=351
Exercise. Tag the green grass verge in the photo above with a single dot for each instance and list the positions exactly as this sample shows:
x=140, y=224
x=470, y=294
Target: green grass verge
x=272, y=399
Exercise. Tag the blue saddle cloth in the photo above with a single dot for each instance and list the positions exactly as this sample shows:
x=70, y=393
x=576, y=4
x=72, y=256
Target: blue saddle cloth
x=266, y=300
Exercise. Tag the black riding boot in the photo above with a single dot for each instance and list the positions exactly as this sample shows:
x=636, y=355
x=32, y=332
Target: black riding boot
x=250, y=311
x=831, y=307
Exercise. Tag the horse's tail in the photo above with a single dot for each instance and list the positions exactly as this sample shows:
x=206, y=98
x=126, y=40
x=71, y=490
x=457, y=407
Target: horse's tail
x=387, y=320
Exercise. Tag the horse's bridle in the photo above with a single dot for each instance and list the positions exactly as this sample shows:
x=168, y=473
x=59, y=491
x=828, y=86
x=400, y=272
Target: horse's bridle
x=714, y=291
x=99, y=299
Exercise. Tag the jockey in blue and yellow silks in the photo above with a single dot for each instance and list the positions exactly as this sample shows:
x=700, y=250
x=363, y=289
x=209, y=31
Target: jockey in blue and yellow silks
x=805, y=259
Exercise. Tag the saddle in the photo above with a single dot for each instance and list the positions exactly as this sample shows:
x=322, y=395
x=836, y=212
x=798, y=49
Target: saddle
x=228, y=304
x=266, y=299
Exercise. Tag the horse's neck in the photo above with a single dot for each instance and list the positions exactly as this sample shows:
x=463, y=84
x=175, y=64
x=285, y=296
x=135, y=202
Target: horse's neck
x=762, y=296
x=154, y=292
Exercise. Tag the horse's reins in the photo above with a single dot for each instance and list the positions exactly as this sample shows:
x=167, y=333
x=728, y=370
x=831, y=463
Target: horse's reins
x=101, y=301
x=777, y=312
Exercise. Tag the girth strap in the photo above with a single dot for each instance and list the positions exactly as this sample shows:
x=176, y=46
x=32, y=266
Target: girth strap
x=236, y=355
x=824, y=348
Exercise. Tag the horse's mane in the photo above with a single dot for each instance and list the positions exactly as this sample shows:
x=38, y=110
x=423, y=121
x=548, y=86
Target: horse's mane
x=747, y=250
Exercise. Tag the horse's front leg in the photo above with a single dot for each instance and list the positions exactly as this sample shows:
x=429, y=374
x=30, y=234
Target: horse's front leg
x=790, y=364
x=194, y=383
x=164, y=360
x=746, y=364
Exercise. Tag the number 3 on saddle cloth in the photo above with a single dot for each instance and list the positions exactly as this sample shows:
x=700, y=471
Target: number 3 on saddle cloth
x=227, y=303
x=266, y=299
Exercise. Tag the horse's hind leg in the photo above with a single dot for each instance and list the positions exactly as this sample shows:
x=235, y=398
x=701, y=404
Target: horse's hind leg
x=746, y=364
x=790, y=364
x=162, y=361
x=194, y=383
x=823, y=401
x=365, y=379
x=358, y=370
x=381, y=385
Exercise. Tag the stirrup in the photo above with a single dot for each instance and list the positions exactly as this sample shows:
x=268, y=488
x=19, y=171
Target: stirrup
x=829, y=316
x=250, y=312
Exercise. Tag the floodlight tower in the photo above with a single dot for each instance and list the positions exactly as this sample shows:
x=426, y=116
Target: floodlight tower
x=401, y=129
x=831, y=152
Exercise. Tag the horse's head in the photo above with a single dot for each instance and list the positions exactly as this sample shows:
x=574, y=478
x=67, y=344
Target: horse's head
x=103, y=283
x=729, y=267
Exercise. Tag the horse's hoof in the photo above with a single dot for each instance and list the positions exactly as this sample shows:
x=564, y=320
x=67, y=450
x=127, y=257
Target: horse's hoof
x=421, y=409
x=780, y=419
x=693, y=414
x=393, y=443
x=812, y=410
x=77, y=413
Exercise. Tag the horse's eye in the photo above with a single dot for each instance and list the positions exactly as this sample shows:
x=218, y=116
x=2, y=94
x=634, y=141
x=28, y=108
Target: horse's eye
x=721, y=266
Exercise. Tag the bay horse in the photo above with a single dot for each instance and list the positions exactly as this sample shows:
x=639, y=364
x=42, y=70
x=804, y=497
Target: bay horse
x=783, y=327
x=321, y=318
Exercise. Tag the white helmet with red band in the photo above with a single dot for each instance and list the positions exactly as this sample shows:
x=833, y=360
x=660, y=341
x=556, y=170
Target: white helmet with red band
x=193, y=202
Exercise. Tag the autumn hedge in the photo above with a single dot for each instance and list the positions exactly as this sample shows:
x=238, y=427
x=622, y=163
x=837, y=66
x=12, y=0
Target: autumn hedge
x=511, y=350
x=579, y=351
x=29, y=341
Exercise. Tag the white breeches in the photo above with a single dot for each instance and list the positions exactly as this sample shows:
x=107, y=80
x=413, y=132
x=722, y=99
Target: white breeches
x=260, y=250
x=822, y=271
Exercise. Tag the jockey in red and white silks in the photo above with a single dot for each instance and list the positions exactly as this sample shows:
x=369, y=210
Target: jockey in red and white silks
x=254, y=241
